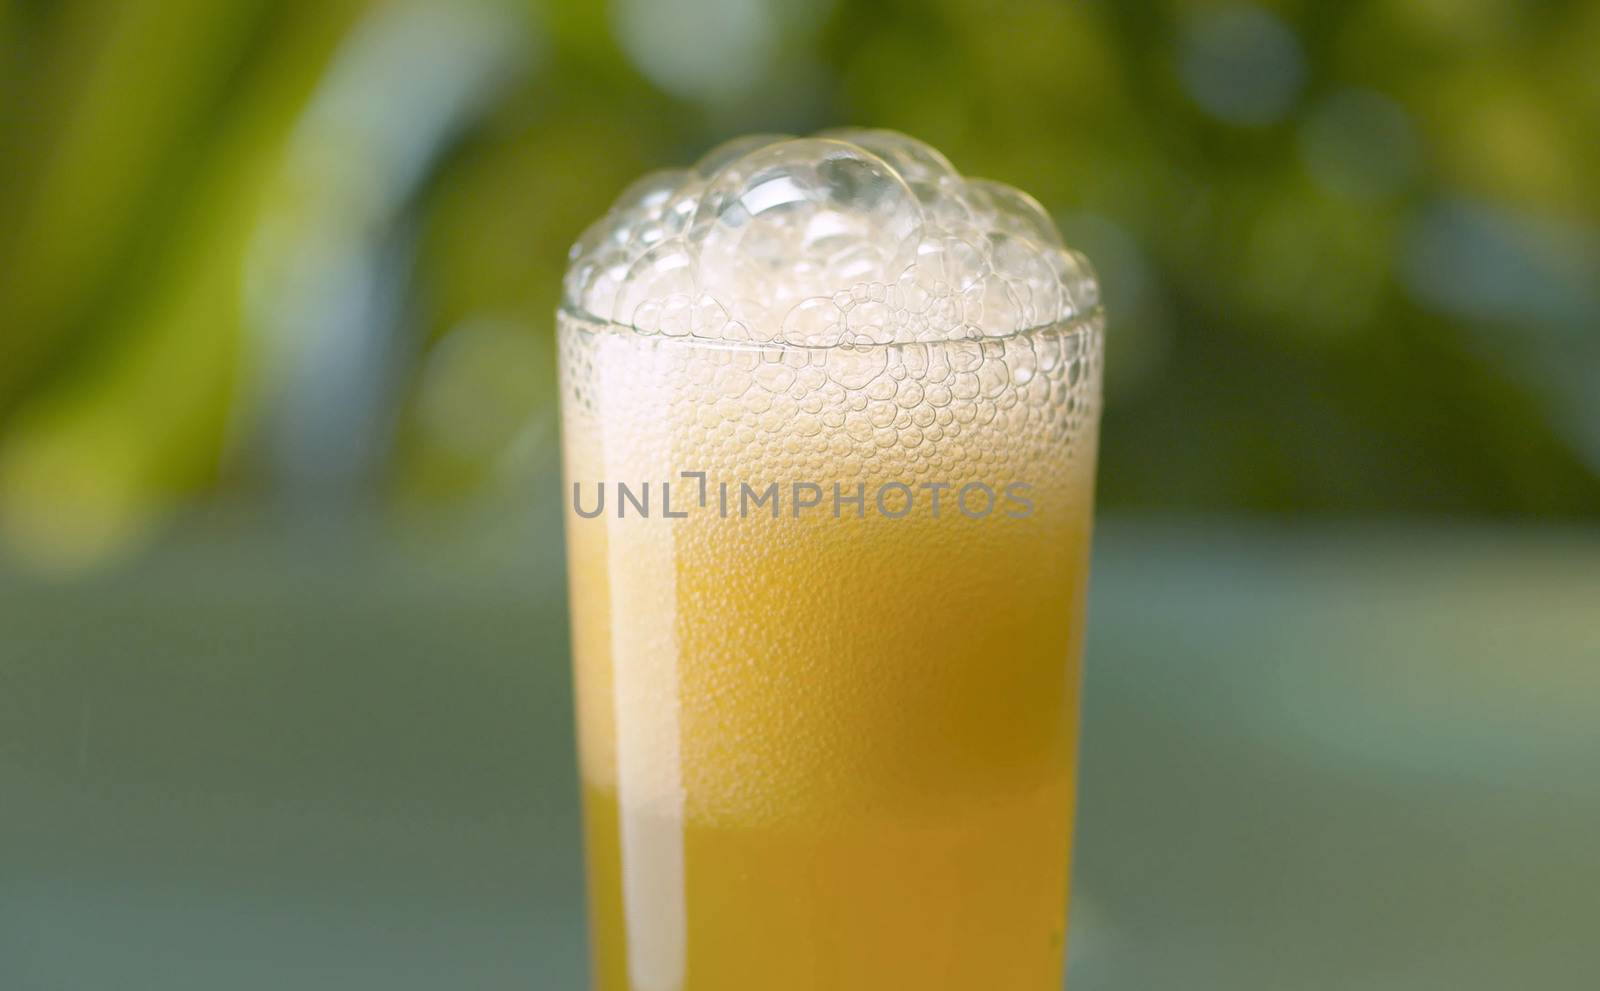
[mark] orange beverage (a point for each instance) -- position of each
(827, 599)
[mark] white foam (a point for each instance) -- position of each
(850, 238)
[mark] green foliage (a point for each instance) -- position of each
(1351, 251)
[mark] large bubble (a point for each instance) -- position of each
(800, 219)
(851, 238)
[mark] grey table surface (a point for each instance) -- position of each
(1353, 757)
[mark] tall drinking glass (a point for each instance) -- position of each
(830, 418)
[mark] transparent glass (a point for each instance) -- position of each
(827, 616)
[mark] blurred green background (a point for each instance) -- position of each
(282, 633)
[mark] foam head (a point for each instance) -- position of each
(850, 238)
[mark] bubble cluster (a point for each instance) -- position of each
(1016, 407)
(848, 239)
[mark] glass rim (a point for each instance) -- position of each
(1078, 325)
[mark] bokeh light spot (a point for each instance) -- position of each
(480, 385)
(708, 50)
(1242, 65)
(1360, 144)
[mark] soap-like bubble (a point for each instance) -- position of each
(814, 323)
(595, 277)
(936, 184)
(854, 238)
(798, 218)
(1033, 280)
(728, 152)
(1003, 208)
(1079, 286)
(661, 273)
(918, 164)
(648, 194)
